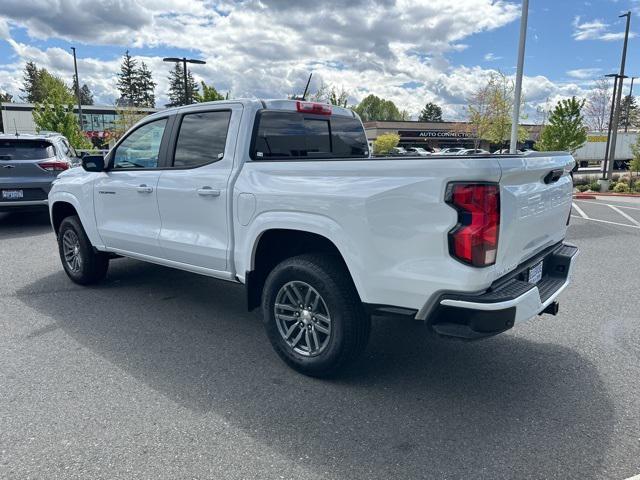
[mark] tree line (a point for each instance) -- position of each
(488, 109)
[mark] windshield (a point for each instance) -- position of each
(19, 149)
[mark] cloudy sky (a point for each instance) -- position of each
(410, 51)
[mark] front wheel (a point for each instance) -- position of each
(81, 262)
(313, 315)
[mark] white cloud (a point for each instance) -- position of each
(396, 49)
(584, 73)
(595, 30)
(492, 57)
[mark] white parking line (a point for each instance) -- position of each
(608, 204)
(580, 211)
(606, 221)
(635, 477)
(625, 215)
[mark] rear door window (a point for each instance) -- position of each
(201, 139)
(291, 135)
(18, 149)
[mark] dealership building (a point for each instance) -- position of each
(96, 120)
(438, 135)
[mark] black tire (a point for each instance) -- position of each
(349, 324)
(92, 266)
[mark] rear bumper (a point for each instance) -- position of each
(509, 300)
(19, 205)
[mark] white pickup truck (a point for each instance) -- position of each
(283, 197)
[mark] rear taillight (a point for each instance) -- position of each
(474, 240)
(54, 165)
(312, 107)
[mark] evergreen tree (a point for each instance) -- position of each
(86, 97)
(629, 112)
(6, 97)
(32, 88)
(176, 87)
(145, 87)
(127, 81)
(431, 113)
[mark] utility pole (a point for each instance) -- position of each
(616, 116)
(626, 123)
(605, 163)
(184, 60)
(75, 67)
(513, 145)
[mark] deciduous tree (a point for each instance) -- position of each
(209, 94)
(598, 106)
(566, 129)
(373, 108)
(54, 115)
(385, 142)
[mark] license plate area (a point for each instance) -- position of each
(534, 274)
(12, 194)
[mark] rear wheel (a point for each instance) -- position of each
(81, 262)
(313, 315)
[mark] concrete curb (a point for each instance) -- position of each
(583, 196)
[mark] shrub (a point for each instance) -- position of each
(582, 188)
(621, 188)
(594, 186)
(612, 185)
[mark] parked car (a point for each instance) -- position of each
(399, 151)
(506, 151)
(422, 152)
(280, 196)
(28, 165)
(449, 151)
(472, 151)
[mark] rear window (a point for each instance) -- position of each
(292, 135)
(16, 149)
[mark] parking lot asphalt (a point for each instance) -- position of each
(159, 373)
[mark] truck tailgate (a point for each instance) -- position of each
(535, 205)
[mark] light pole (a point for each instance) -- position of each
(75, 68)
(605, 164)
(184, 61)
(616, 115)
(513, 144)
(626, 123)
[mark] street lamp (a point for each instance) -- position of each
(513, 144)
(616, 77)
(184, 69)
(617, 98)
(78, 97)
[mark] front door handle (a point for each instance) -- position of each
(208, 192)
(144, 188)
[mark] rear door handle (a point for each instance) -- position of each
(208, 192)
(144, 188)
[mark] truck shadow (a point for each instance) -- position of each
(413, 407)
(24, 224)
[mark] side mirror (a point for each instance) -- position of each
(93, 163)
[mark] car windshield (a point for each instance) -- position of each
(21, 149)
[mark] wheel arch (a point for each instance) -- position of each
(59, 211)
(274, 244)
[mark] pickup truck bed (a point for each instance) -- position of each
(283, 197)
